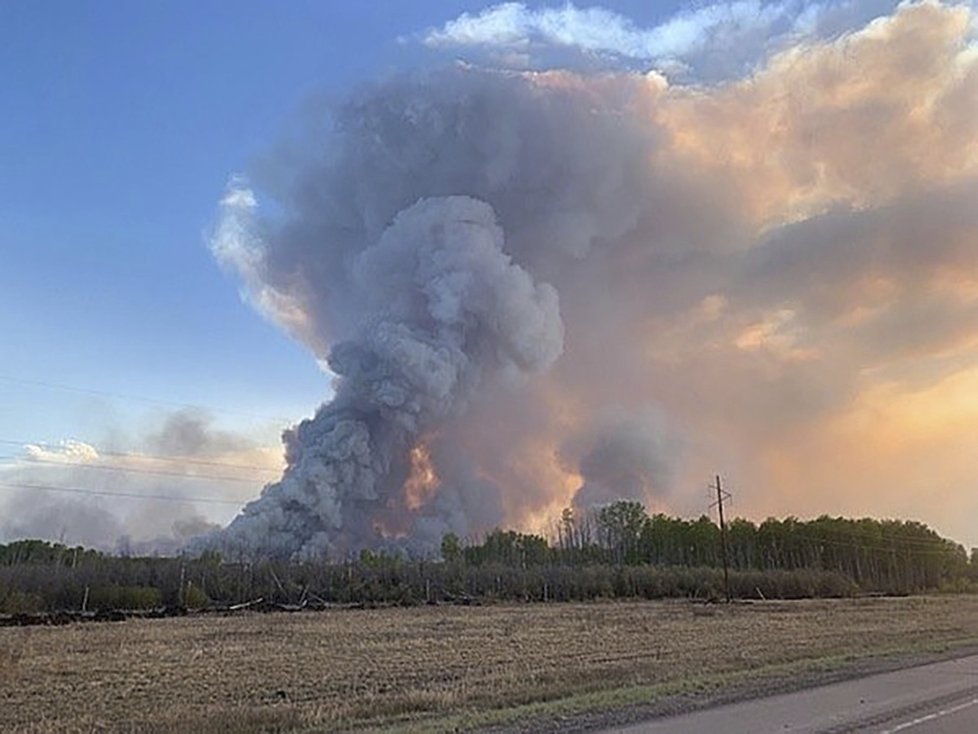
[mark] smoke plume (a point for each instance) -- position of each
(439, 310)
(765, 261)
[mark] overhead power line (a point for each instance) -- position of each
(898, 546)
(127, 469)
(848, 536)
(152, 457)
(142, 398)
(130, 495)
(863, 538)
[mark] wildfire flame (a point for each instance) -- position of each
(422, 480)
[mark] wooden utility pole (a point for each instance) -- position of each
(723, 540)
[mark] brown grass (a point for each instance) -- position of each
(341, 669)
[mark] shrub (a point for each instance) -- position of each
(194, 597)
(124, 597)
(21, 602)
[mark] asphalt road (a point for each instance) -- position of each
(940, 698)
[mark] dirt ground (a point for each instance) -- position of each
(554, 665)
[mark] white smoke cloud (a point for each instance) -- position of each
(67, 451)
(707, 42)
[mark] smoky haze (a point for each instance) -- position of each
(148, 491)
(493, 262)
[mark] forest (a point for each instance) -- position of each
(615, 551)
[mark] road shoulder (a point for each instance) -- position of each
(621, 707)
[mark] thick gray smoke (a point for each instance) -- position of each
(418, 304)
(439, 310)
(626, 456)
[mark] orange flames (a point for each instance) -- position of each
(422, 480)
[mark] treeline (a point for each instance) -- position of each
(878, 555)
(617, 551)
(64, 580)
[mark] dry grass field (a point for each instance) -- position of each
(437, 667)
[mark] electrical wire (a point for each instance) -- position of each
(142, 398)
(141, 456)
(128, 469)
(128, 495)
